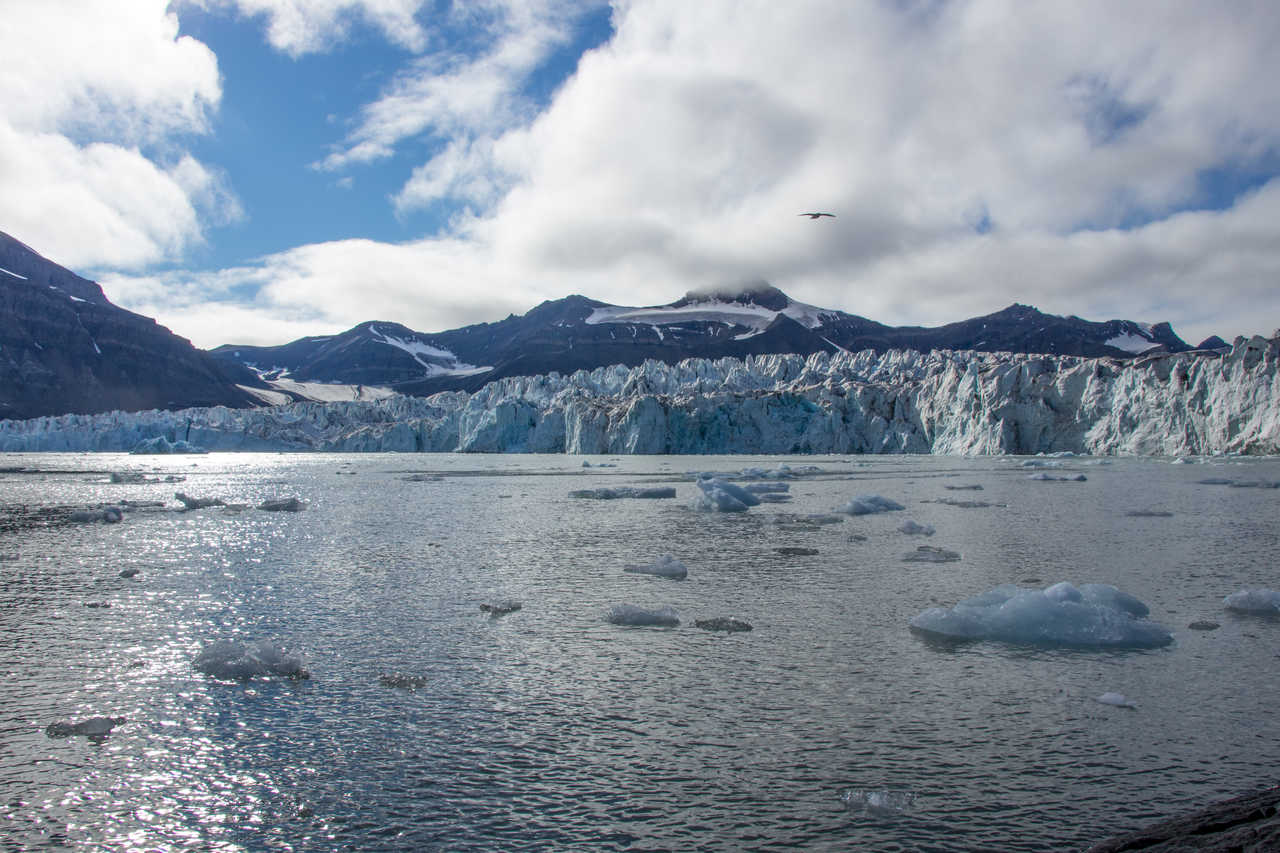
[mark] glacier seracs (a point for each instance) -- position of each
(899, 401)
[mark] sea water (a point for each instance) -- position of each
(429, 724)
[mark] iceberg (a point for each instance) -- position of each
(228, 660)
(869, 505)
(914, 528)
(930, 554)
(722, 496)
(107, 515)
(1118, 700)
(665, 566)
(1254, 600)
(161, 445)
(1092, 615)
(633, 616)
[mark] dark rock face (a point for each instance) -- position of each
(1247, 823)
(65, 348)
(576, 333)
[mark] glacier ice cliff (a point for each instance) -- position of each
(865, 402)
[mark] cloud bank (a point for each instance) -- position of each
(1108, 160)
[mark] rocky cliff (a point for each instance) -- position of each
(65, 348)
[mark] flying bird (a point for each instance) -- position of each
(816, 215)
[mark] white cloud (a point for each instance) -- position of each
(298, 27)
(94, 95)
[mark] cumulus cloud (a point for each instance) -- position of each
(95, 94)
(298, 27)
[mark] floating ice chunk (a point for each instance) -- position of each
(107, 515)
(128, 573)
(1042, 476)
(930, 554)
(1042, 463)
(665, 566)
(281, 505)
(500, 608)
(1257, 484)
(422, 478)
(232, 661)
(608, 494)
(721, 496)
(965, 504)
(878, 802)
(869, 505)
(1254, 600)
(190, 503)
(1117, 699)
(1061, 615)
(131, 477)
(764, 488)
(162, 445)
(970, 488)
(630, 614)
(723, 623)
(94, 727)
(1204, 625)
(914, 528)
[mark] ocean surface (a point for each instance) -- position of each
(830, 726)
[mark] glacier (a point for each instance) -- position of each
(899, 401)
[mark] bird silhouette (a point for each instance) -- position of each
(816, 215)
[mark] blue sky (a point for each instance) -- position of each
(250, 171)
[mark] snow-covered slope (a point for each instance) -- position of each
(898, 401)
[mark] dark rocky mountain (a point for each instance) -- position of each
(65, 348)
(575, 333)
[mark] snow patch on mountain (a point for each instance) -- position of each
(755, 317)
(419, 349)
(1129, 342)
(14, 274)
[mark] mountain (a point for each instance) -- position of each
(576, 333)
(65, 348)
(900, 401)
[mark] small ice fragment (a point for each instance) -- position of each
(94, 727)
(128, 573)
(500, 608)
(107, 515)
(281, 505)
(131, 477)
(1204, 625)
(400, 680)
(722, 623)
(967, 488)
(914, 528)
(665, 566)
(930, 554)
(1041, 463)
(883, 802)
(869, 505)
(630, 614)
(1255, 600)
(1044, 477)
(1116, 699)
(422, 478)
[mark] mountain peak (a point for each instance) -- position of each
(759, 293)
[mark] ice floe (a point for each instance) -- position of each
(1060, 615)
(869, 505)
(915, 528)
(665, 566)
(106, 514)
(281, 505)
(930, 554)
(609, 493)
(500, 607)
(190, 503)
(632, 615)
(723, 623)
(1119, 700)
(1253, 600)
(93, 727)
(721, 496)
(233, 661)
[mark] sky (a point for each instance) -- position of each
(252, 171)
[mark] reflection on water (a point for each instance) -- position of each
(548, 728)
